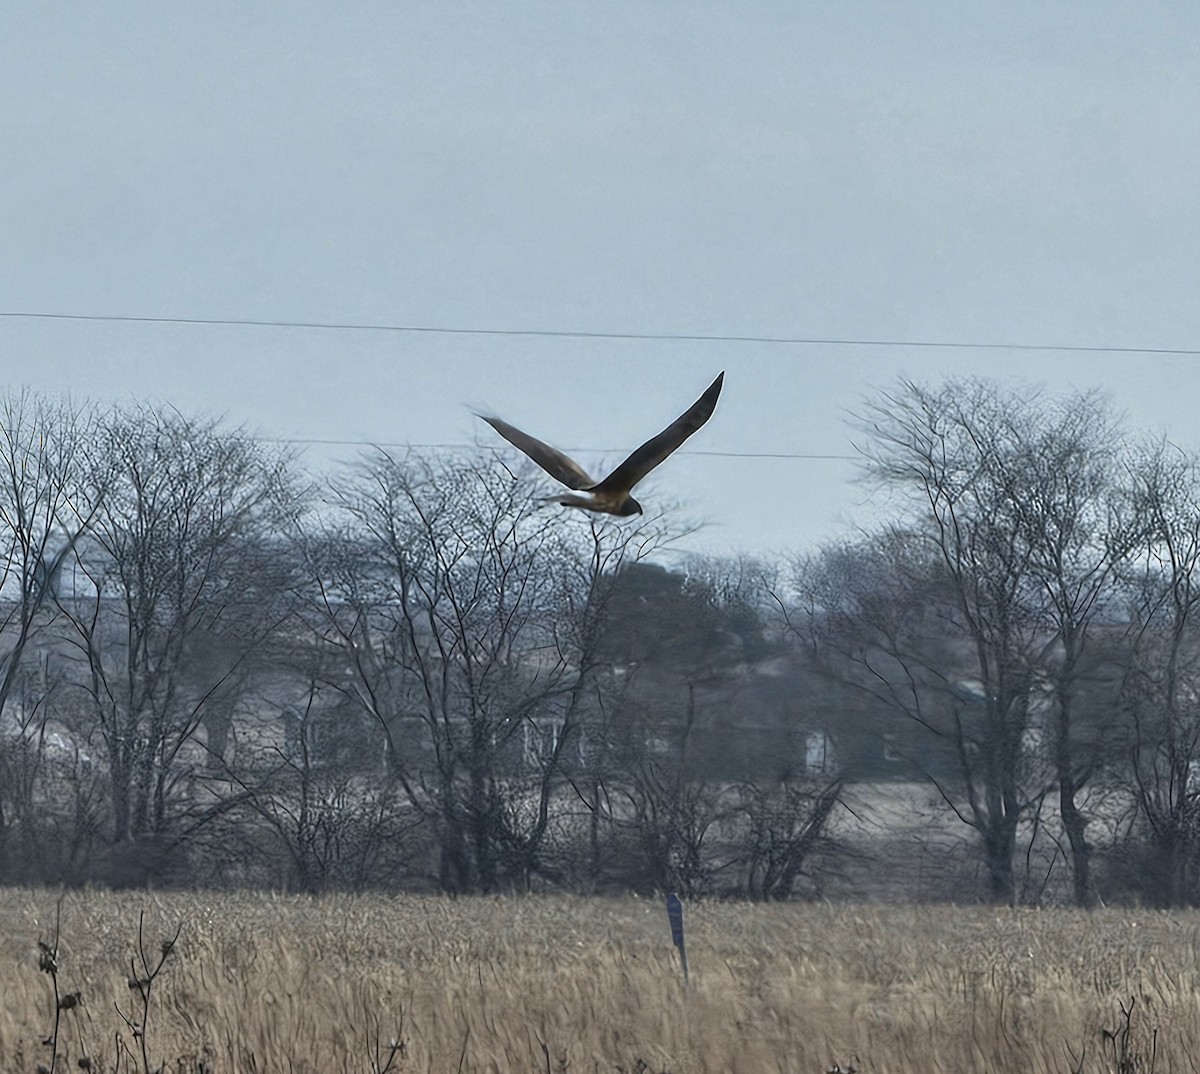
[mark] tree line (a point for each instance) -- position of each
(1030, 612)
(218, 668)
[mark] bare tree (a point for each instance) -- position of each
(48, 499)
(669, 810)
(1065, 478)
(1162, 675)
(979, 613)
(314, 806)
(466, 613)
(786, 824)
(884, 615)
(175, 589)
(942, 615)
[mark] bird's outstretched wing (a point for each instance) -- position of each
(559, 466)
(653, 451)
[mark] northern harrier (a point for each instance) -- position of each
(612, 495)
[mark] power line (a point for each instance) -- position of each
(693, 337)
(323, 441)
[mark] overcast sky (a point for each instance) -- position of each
(932, 172)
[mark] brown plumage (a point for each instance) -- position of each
(612, 495)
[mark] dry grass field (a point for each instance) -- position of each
(258, 983)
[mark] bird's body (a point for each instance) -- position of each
(612, 496)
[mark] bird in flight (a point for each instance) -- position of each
(612, 495)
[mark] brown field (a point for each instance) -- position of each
(260, 983)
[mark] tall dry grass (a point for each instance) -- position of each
(261, 983)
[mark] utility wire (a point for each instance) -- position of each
(600, 451)
(331, 442)
(694, 337)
